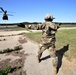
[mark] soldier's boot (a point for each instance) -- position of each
(55, 63)
(55, 70)
(38, 57)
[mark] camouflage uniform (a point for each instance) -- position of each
(48, 41)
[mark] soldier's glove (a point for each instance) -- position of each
(58, 26)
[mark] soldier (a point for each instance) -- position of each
(48, 40)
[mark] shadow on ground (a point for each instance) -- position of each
(45, 58)
(60, 54)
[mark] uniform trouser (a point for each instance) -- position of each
(52, 52)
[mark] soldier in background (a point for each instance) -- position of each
(48, 40)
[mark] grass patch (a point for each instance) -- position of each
(63, 38)
(9, 28)
(5, 70)
(18, 28)
(16, 48)
(8, 69)
(34, 36)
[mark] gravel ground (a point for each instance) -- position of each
(27, 57)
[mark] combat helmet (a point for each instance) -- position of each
(49, 17)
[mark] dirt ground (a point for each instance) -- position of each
(25, 58)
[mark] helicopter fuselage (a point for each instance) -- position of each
(5, 17)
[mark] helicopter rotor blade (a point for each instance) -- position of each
(2, 9)
(9, 14)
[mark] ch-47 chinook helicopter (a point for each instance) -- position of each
(5, 15)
